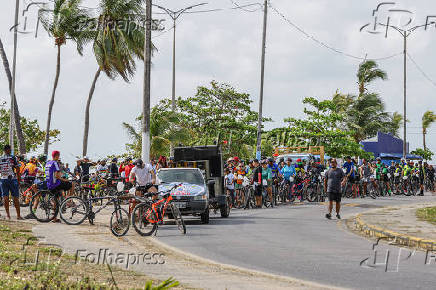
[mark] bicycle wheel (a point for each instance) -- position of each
(178, 219)
(44, 206)
(311, 193)
(141, 216)
(120, 222)
(74, 210)
(25, 195)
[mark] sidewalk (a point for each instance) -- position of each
(398, 225)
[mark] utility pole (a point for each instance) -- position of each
(405, 33)
(405, 97)
(262, 75)
(14, 65)
(147, 84)
(174, 16)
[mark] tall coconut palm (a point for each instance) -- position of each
(367, 73)
(17, 119)
(62, 23)
(116, 45)
(428, 118)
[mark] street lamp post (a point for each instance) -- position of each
(12, 91)
(405, 33)
(174, 16)
(262, 77)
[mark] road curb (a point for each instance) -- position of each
(373, 231)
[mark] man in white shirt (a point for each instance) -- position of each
(143, 174)
(145, 179)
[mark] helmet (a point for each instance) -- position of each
(270, 159)
(299, 160)
(114, 159)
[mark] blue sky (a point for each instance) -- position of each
(226, 46)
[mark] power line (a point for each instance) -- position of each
(323, 44)
(244, 7)
(421, 70)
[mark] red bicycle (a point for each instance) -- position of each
(147, 215)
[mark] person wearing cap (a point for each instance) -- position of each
(55, 181)
(84, 165)
(335, 178)
(9, 180)
(145, 178)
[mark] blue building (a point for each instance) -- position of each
(387, 147)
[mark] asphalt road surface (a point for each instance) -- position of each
(299, 242)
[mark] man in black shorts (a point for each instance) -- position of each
(257, 181)
(334, 179)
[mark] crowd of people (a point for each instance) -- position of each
(263, 175)
(266, 174)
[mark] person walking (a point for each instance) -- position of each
(9, 179)
(334, 179)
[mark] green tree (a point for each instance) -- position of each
(119, 40)
(424, 153)
(428, 118)
(33, 135)
(321, 127)
(368, 72)
(62, 23)
(220, 113)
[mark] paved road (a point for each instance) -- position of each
(297, 241)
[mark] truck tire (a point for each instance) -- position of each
(225, 209)
(205, 217)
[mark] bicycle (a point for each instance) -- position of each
(45, 205)
(147, 215)
(74, 211)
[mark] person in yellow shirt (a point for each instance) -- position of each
(30, 170)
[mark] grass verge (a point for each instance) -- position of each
(26, 264)
(427, 214)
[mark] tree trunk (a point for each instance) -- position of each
(424, 131)
(17, 120)
(88, 105)
(50, 106)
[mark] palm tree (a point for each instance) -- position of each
(18, 129)
(428, 118)
(367, 73)
(63, 23)
(116, 45)
(166, 127)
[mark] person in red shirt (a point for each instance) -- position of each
(126, 167)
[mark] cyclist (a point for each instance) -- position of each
(125, 169)
(55, 182)
(257, 182)
(113, 168)
(9, 179)
(84, 165)
(288, 171)
(267, 178)
(431, 175)
(365, 175)
(275, 172)
(240, 174)
(422, 176)
(349, 169)
(30, 171)
(145, 178)
(229, 181)
(384, 177)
